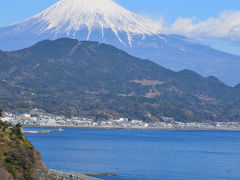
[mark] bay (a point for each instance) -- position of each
(143, 154)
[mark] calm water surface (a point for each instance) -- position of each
(142, 154)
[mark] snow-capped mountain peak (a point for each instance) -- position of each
(74, 18)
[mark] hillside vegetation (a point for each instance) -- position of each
(18, 158)
(96, 80)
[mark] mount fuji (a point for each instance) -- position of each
(93, 20)
(107, 22)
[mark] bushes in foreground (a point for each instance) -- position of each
(1, 112)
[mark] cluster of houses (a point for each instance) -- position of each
(36, 118)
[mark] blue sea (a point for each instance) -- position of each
(143, 154)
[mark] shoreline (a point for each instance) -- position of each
(135, 128)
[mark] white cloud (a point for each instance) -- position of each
(226, 26)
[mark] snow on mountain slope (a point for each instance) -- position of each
(75, 14)
(69, 17)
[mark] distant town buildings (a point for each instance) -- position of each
(36, 118)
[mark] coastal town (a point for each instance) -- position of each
(36, 118)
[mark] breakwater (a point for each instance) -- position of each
(43, 131)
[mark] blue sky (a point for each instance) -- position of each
(170, 10)
(181, 13)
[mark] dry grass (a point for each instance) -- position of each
(148, 82)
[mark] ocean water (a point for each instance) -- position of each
(143, 154)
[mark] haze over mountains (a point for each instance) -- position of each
(105, 21)
(100, 81)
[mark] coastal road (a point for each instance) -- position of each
(72, 176)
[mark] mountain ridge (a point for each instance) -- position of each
(99, 81)
(130, 32)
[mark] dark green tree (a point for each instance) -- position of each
(17, 130)
(1, 112)
(4, 125)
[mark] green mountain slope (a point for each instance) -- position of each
(99, 81)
